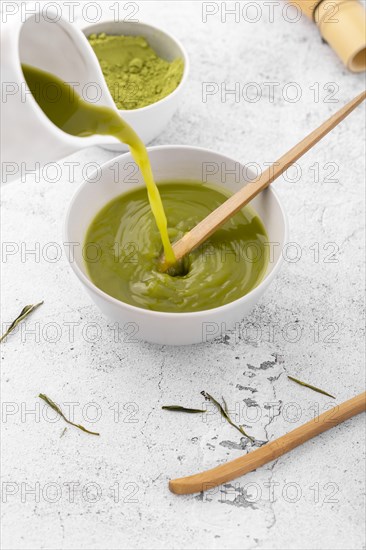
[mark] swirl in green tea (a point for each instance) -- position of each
(122, 248)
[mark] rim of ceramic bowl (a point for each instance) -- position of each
(88, 30)
(267, 279)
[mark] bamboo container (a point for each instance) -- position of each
(342, 24)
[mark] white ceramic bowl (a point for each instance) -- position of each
(148, 122)
(170, 163)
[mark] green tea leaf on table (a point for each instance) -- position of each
(178, 408)
(27, 310)
(56, 408)
(224, 412)
(310, 386)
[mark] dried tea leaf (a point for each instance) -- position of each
(55, 407)
(27, 310)
(310, 386)
(224, 412)
(178, 408)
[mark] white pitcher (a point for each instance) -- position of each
(28, 136)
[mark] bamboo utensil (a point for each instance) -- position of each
(342, 25)
(240, 466)
(231, 206)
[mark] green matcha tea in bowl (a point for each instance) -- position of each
(145, 69)
(118, 262)
(125, 224)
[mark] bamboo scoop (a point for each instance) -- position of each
(231, 206)
(240, 466)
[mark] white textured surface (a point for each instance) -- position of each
(142, 447)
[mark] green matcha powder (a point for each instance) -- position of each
(136, 76)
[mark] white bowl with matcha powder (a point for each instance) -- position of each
(145, 72)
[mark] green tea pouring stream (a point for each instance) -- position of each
(69, 112)
(223, 273)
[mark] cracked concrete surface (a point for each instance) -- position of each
(70, 490)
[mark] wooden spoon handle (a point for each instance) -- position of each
(218, 217)
(240, 466)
